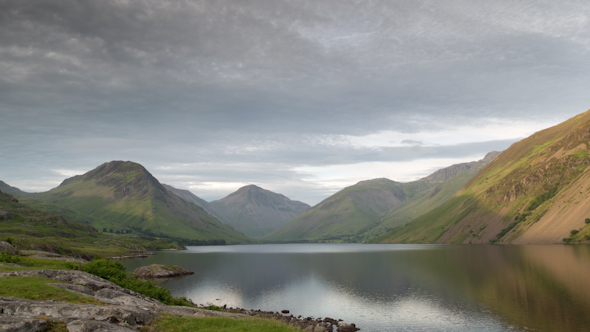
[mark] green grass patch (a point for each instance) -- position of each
(189, 324)
(36, 288)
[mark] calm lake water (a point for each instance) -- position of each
(395, 287)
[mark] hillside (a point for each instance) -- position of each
(448, 182)
(124, 196)
(30, 228)
(255, 211)
(371, 208)
(4, 187)
(192, 198)
(353, 210)
(537, 191)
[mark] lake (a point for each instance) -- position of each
(395, 287)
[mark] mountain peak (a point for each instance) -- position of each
(377, 181)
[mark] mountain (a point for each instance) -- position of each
(448, 182)
(29, 228)
(125, 196)
(537, 191)
(192, 198)
(353, 210)
(371, 208)
(255, 211)
(11, 190)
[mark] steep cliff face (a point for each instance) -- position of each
(255, 211)
(534, 192)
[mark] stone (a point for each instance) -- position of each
(347, 328)
(20, 324)
(94, 326)
(81, 278)
(8, 248)
(82, 290)
(130, 316)
(112, 296)
(160, 271)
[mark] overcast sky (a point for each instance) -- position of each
(299, 97)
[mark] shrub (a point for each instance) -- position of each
(10, 240)
(8, 258)
(114, 271)
(574, 232)
(587, 220)
(567, 239)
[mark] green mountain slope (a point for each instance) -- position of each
(192, 198)
(12, 190)
(30, 228)
(124, 195)
(371, 208)
(255, 211)
(351, 211)
(448, 182)
(534, 192)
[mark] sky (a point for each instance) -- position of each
(299, 97)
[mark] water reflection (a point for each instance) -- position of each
(396, 287)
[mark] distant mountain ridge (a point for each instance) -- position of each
(535, 192)
(11, 190)
(255, 211)
(367, 209)
(124, 195)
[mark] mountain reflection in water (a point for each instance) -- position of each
(395, 287)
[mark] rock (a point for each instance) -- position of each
(51, 255)
(82, 290)
(88, 280)
(8, 248)
(4, 215)
(116, 297)
(94, 326)
(347, 327)
(129, 316)
(19, 324)
(160, 271)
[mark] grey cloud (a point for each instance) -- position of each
(83, 82)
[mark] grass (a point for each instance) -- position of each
(189, 324)
(36, 288)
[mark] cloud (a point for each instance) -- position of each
(263, 87)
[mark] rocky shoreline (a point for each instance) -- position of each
(124, 310)
(305, 323)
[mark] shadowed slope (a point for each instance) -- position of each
(256, 211)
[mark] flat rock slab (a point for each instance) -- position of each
(86, 280)
(95, 326)
(20, 324)
(160, 271)
(52, 256)
(129, 316)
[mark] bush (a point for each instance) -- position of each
(8, 258)
(10, 240)
(574, 232)
(587, 220)
(567, 239)
(114, 271)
